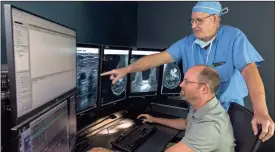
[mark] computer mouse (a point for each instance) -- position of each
(112, 116)
(142, 118)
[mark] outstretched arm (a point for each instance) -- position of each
(179, 123)
(179, 147)
(142, 64)
(150, 61)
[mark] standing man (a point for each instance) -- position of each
(224, 48)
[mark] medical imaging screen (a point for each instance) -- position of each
(171, 78)
(146, 81)
(113, 59)
(87, 78)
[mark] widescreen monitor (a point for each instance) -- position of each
(41, 57)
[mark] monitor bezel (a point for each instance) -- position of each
(11, 66)
(101, 104)
(143, 94)
(69, 102)
(90, 45)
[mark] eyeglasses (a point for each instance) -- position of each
(199, 21)
(186, 82)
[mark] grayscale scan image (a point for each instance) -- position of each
(113, 92)
(87, 76)
(120, 85)
(145, 81)
(171, 76)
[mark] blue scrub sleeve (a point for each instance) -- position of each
(175, 50)
(244, 52)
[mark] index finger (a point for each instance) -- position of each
(107, 73)
(254, 127)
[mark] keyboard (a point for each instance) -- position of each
(132, 139)
(81, 147)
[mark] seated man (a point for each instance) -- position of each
(207, 127)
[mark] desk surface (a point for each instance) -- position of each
(156, 143)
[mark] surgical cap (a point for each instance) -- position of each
(209, 7)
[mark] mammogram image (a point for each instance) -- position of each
(87, 77)
(171, 76)
(113, 92)
(145, 81)
(120, 85)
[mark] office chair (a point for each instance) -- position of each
(245, 139)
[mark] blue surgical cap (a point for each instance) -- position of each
(209, 7)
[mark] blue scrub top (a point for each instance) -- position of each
(229, 54)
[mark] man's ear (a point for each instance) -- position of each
(205, 89)
(216, 18)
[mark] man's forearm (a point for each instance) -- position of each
(150, 61)
(255, 88)
(179, 124)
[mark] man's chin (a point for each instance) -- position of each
(198, 36)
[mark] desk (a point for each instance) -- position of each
(156, 143)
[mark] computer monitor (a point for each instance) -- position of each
(113, 58)
(47, 132)
(41, 57)
(88, 59)
(172, 76)
(143, 83)
(72, 122)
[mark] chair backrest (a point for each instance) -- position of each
(245, 139)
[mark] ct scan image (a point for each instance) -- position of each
(146, 81)
(113, 92)
(87, 77)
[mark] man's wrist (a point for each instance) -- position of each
(128, 69)
(260, 108)
(155, 120)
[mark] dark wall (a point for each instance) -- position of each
(113, 22)
(109, 23)
(162, 23)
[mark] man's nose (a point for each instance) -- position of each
(182, 84)
(194, 25)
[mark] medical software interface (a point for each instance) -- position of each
(44, 60)
(47, 133)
